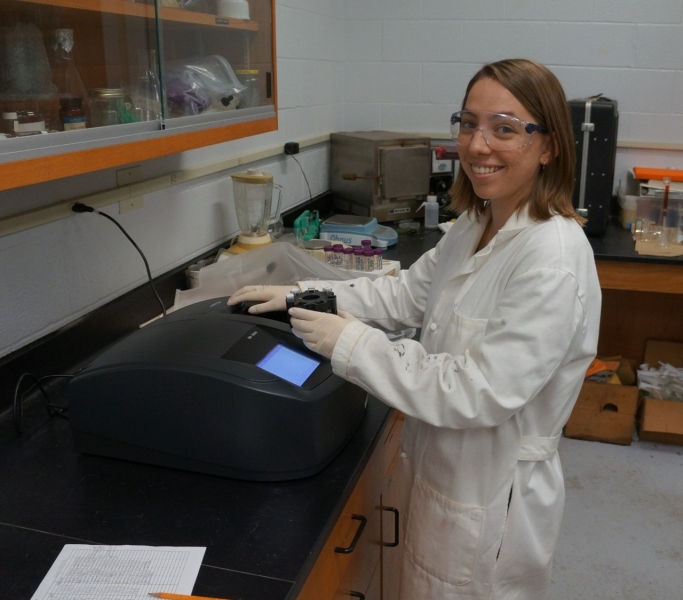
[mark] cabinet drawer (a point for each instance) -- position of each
(363, 565)
(330, 568)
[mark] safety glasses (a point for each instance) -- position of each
(500, 131)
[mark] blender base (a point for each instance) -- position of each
(245, 243)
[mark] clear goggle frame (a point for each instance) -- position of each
(500, 131)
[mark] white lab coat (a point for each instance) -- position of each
(507, 336)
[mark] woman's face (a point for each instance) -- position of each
(505, 177)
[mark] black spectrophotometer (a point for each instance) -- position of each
(209, 388)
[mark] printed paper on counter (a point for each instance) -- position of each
(83, 572)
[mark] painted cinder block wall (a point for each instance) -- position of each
(399, 65)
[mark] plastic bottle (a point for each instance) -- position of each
(431, 212)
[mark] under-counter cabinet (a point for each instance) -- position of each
(92, 84)
(361, 556)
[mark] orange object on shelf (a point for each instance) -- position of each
(657, 174)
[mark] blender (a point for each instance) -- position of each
(253, 191)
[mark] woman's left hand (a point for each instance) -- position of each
(319, 331)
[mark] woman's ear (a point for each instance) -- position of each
(554, 146)
(550, 151)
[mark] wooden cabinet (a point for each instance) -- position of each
(640, 301)
(355, 562)
(118, 48)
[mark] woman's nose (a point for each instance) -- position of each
(478, 142)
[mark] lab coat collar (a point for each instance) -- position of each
(517, 222)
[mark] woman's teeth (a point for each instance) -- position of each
(485, 170)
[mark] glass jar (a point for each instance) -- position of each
(71, 113)
(251, 96)
(106, 106)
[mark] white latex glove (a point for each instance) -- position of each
(271, 296)
(319, 331)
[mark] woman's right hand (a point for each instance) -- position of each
(271, 297)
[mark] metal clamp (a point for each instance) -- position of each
(354, 541)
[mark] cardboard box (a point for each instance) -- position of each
(662, 420)
(604, 413)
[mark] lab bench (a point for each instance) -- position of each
(263, 540)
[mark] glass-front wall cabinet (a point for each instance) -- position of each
(92, 84)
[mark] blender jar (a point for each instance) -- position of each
(253, 191)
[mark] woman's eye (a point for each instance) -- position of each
(468, 125)
(505, 130)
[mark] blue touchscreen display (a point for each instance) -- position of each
(288, 364)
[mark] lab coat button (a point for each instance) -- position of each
(432, 326)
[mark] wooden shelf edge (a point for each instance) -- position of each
(132, 9)
(48, 168)
(640, 277)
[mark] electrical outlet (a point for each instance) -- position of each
(131, 204)
(128, 176)
(174, 178)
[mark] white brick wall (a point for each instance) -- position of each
(343, 65)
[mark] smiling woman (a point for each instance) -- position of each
(509, 306)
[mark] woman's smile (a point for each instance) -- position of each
(484, 169)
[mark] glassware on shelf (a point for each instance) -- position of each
(24, 65)
(145, 90)
(71, 113)
(29, 123)
(105, 106)
(250, 96)
(70, 88)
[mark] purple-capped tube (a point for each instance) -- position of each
(338, 254)
(348, 258)
(358, 259)
(378, 258)
(369, 259)
(329, 255)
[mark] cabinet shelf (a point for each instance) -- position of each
(121, 7)
(109, 35)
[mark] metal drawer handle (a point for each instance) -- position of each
(395, 542)
(357, 595)
(356, 537)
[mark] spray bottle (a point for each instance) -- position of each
(431, 212)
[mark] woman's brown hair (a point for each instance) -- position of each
(540, 92)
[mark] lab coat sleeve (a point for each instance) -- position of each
(537, 322)
(389, 302)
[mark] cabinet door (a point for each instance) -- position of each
(91, 84)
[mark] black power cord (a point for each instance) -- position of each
(292, 148)
(79, 207)
(53, 410)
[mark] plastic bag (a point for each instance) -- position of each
(201, 85)
(275, 264)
